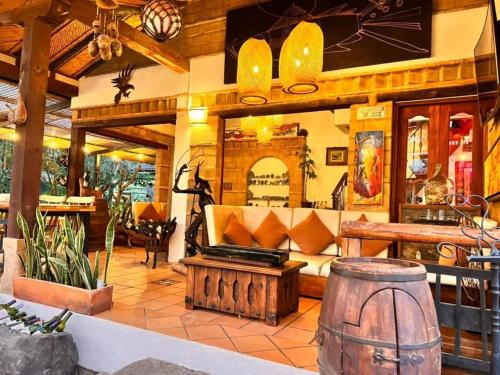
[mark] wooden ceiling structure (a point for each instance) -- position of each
(203, 32)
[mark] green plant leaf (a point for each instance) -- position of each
(96, 267)
(110, 239)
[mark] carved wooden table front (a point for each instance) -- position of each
(267, 293)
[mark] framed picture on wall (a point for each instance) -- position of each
(368, 167)
(336, 155)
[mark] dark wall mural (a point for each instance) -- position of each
(357, 32)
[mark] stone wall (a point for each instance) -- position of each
(241, 155)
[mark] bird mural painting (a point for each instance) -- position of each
(122, 83)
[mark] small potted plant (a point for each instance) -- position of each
(308, 167)
(58, 273)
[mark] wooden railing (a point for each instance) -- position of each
(338, 194)
(354, 232)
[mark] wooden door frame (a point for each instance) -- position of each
(397, 156)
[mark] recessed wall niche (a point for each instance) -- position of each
(268, 183)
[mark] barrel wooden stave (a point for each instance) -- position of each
(359, 317)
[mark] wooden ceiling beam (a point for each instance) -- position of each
(84, 11)
(126, 120)
(140, 136)
(10, 73)
(15, 12)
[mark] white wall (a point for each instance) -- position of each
(322, 134)
(151, 82)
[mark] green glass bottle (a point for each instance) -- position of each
(62, 325)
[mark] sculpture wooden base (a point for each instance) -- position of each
(266, 293)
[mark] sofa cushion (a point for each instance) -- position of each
(253, 217)
(149, 213)
(311, 235)
(369, 248)
(217, 217)
(271, 232)
(236, 233)
(314, 262)
(330, 218)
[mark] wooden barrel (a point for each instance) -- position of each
(378, 317)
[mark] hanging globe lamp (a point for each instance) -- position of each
(301, 59)
(254, 76)
(161, 20)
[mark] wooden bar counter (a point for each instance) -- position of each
(266, 293)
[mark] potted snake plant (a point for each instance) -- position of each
(58, 273)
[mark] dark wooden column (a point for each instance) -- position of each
(76, 160)
(27, 158)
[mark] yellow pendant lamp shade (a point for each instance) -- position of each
(264, 130)
(249, 125)
(277, 121)
(301, 59)
(255, 63)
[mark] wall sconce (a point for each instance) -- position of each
(198, 116)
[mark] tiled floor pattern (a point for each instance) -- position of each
(139, 302)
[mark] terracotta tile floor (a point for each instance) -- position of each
(141, 303)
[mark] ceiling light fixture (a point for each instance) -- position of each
(161, 19)
(254, 76)
(301, 59)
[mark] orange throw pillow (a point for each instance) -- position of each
(311, 235)
(271, 232)
(236, 233)
(369, 248)
(150, 213)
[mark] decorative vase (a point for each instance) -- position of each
(436, 187)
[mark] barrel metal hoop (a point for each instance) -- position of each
(378, 277)
(382, 344)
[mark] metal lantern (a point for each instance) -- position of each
(301, 59)
(254, 77)
(249, 125)
(161, 20)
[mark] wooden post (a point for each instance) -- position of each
(76, 160)
(162, 177)
(27, 158)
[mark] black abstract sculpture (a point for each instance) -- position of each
(485, 251)
(122, 83)
(203, 192)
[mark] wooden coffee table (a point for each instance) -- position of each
(266, 293)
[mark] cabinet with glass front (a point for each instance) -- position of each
(439, 141)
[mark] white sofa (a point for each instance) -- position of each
(317, 265)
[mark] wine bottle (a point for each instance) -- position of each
(11, 309)
(62, 325)
(55, 318)
(8, 304)
(16, 317)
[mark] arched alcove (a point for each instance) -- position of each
(268, 182)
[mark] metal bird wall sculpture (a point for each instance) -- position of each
(122, 83)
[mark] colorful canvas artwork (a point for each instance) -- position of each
(369, 167)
